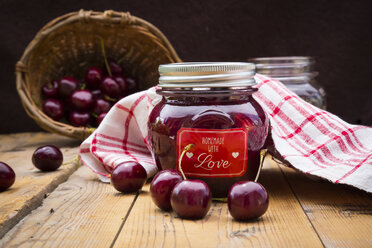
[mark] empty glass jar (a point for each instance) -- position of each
(297, 73)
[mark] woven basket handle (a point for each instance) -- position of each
(86, 15)
(125, 17)
(57, 20)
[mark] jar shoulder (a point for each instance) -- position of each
(188, 115)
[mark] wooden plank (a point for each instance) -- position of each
(22, 141)
(31, 185)
(284, 224)
(341, 215)
(82, 212)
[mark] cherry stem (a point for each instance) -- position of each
(187, 148)
(263, 153)
(74, 160)
(223, 199)
(105, 57)
(106, 97)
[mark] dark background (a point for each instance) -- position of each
(337, 33)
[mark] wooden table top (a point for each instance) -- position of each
(71, 208)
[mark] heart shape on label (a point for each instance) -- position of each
(235, 154)
(189, 154)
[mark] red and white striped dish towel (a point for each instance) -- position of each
(314, 141)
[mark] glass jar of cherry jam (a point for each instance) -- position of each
(210, 106)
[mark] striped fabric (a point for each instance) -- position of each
(314, 141)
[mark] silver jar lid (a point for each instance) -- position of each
(207, 75)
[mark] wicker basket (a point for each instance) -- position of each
(70, 44)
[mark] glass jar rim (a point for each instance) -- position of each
(202, 92)
(283, 60)
(283, 67)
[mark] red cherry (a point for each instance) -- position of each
(100, 118)
(122, 84)
(161, 187)
(50, 90)
(54, 109)
(81, 99)
(247, 200)
(115, 68)
(100, 106)
(47, 158)
(93, 77)
(97, 94)
(128, 177)
(191, 199)
(66, 86)
(79, 119)
(7, 176)
(110, 87)
(132, 84)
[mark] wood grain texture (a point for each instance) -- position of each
(82, 212)
(23, 141)
(31, 185)
(284, 224)
(342, 215)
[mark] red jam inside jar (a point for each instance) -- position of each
(210, 106)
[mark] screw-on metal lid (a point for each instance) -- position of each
(207, 74)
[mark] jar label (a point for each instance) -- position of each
(216, 152)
